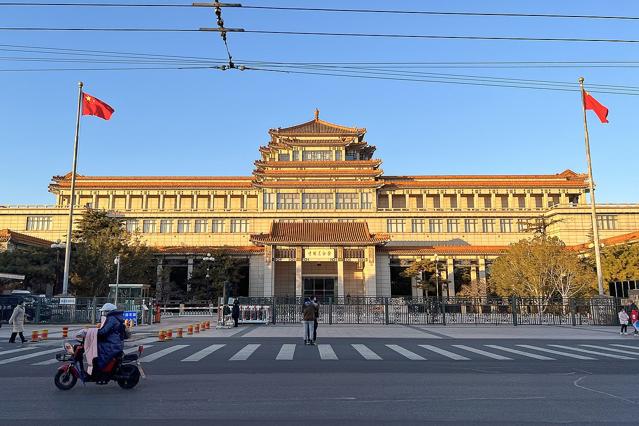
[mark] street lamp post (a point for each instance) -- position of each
(117, 278)
(57, 246)
(437, 276)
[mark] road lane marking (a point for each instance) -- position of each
(163, 352)
(484, 353)
(28, 356)
(245, 352)
(636, 348)
(522, 353)
(446, 353)
(11, 351)
(286, 352)
(327, 353)
(592, 352)
(202, 353)
(621, 351)
(405, 352)
(551, 351)
(364, 351)
(53, 361)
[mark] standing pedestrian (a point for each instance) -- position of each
(308, 316)
(623, 320)
(634, 319)
(235, 313)
(17, 321)
(316, 306)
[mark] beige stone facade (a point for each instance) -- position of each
(316, 173)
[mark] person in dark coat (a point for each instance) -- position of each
(235, 313)
(316, 305)
(111, 335)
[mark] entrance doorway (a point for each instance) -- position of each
(321, 287)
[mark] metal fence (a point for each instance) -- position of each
(447, 311)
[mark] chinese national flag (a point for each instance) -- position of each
(94, 106)
(592, 104)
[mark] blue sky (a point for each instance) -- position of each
(208, 122)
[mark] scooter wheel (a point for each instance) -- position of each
(133, 377)
(65, 380)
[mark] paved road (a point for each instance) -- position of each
(409, 381)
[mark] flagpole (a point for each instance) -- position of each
(67, 251)
(591, 183)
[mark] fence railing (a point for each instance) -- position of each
(447, 311)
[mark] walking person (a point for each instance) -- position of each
(235, 312)
(634, 319)
(17, 321)
(623, 320)
(308, 317)
(316, 306)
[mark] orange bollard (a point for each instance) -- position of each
(34, 336)
(45, 334)
(208, 325)
(197, 328)
(169, 334)
(180, 333)
(65, 332)
(189, 330)
(161, 336)
(202, 326)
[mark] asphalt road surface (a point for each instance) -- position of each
(340, 381)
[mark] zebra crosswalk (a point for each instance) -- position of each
(239, 351)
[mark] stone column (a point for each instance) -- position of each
(475, 200)
(450, 276)
(382, 270)
(510, 201)
(111, 202)
(145, 202)
(127, 202)
(299, 290)
(269, 269)
(482, 271)
(228, 202)
(211, 201)
(493, 201)
(94, 202)
(407, 201)
(340, 272)
(528, 201)
(390, 200)
(458, 200)
(161, 202)
(244, 201)
(473, 276)
(178, 202)
(370, 279)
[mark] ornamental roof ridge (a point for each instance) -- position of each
(346, 233)
(317, 126)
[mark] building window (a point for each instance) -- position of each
(553, 200)
(452, 201)
(607, 221)
(320, 201)
(39, 223)
(488, 225)
(504, 201)
(452, 225)
(148, 226)
(470, 225)
(347, 200)
(347, 220)
(239, 226)
(296, 156)
(573, 199)
(268, 201)
(338, 155)
(539, 201)
(505, 225)
(288, 201)
(131, 225)
(351, 155)
(435, 225)
(367, 202)
(488, 202)
(521, 201)
(283, 157)
(217, 225)
(418, 225)
(523, 225)
(201, 225)
(436, 202)
(395, 225)
(166, 226)
(325, 155)
(470, 201)
(183, 226)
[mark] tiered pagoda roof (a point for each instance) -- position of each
(326, 233)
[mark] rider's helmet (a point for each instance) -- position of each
(108, 307)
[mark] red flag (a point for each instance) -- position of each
(94, 106)
(593, 104)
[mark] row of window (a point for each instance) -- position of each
(183, 226)
(318, 201)
(469, 201)
(39, 223)
(320, 155)
(457, 225)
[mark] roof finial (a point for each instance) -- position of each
(316, 114)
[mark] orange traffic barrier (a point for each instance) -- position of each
(202, 326)
(161, 336)
(180, 333)
(169, 334)
(34, 336)
(45, 334)
(189, 330)
(197, 328)
(208, 325)
(65, 332)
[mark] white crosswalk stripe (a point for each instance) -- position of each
(586, 351)
(484, 353)
(552, 351)
(245, 352)
(202, 353)
(621, 351)
(286, 353)
(446, 353)
(12, 351)
(364, 351)
(143, 341)
(29, 356)
(327, 353)
(53, 360)
(405, 352)
(636, 348)
(522, 353)
(164, 352)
